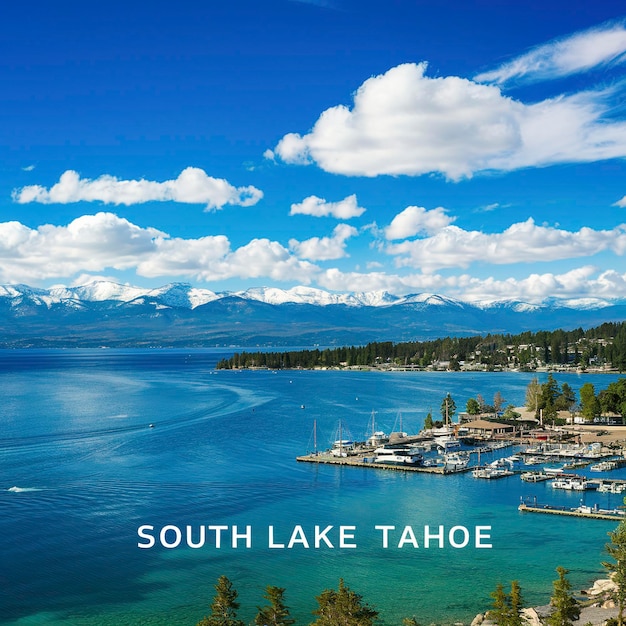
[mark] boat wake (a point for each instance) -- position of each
(22, 489)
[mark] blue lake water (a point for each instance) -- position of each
(75, 439)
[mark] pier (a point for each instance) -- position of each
(362, 461)
(581, 511)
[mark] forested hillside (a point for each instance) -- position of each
(602, 346)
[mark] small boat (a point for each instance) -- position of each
(490, 472)
(342, 447)
(533, 460)
(572, 484)
(553, 471)
(455, 461)
(604, 466)
(575, 465)
(610, 487)
(534, 477)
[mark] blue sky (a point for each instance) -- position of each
(472, 149)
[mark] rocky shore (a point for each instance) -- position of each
(597, 607)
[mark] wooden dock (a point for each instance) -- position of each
(360, 461)
(587, 512)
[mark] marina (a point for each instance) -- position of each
(370, 463)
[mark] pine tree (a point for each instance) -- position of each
(500, 612)
(224, 606)
(516, 604)
(507, 607)
(472, 407)
(343, 608)
(277, 613)
(448, 408)
(589, 402)
(617, 551)
(566, 608)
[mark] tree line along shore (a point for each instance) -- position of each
(345, 607)
(599, 348)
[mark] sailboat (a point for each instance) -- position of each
(342, 447)
(377, 437)
(445, 438)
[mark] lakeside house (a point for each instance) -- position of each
(488, 430)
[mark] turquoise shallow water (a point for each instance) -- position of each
(75, 438)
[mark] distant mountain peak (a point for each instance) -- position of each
(184, 295)
(108, 313)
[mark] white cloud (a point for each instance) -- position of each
(524, 242)
(193, 186)
(104, 241)
(403, 122)
(576, 53)
(621, 203)
(579, 283)
(261, 258)
(318, 207)
(28, 168)
(325, 248)
(583, 282)
(416, 219)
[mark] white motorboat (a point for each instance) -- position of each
(604, 466)
(572, 484)
(611, 487)
(534, 477)
(398, 456)
(447, 442)
(455, 461)
(491, 472)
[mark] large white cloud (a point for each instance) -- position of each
(415, 219)
(318, 207)
(576, 53)
(104, 241)
(261, 258)
(524, 242)
(584, 283)
(325, 248)
(193, 186)
(403, 122)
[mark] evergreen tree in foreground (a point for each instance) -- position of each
(566, 608)
(224, 606)
(507, 607)
(343, 608)
(617, 551)
(276, 614)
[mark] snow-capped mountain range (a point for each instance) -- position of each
(185, 296)
(107, 313)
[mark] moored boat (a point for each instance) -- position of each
(534, 477)
(398, 456)
(490, 472)
(455, 461)
(604, 466)
(611, 487)
(577, 483)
